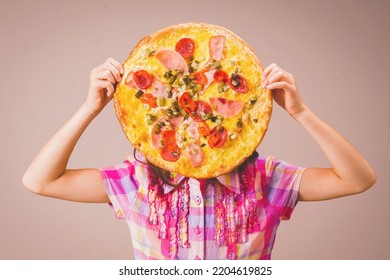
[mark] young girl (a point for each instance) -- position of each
(234, 216)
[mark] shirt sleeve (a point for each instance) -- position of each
(282, 185)
(121, 187)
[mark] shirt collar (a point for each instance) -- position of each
(230, 180)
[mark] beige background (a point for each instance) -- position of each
(337, 50)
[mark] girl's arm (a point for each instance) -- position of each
(48, 174)
(350, 172)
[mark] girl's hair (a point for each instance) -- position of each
(166, 175)
(157, 172)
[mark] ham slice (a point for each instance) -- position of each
(216, 46)
(210, 78)
(176, 122)
(159, 89)
(195, 154)
(130, 80)
(226, 107)
(192, 129)
(172, 60)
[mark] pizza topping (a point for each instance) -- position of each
(172, 60)
(192, 129)
(218, 119)
(202, 112)
(221, 76)
(161, 125)
(170, 152)
(168, 136)
(187, 103)
(204, 129)
(182, 88)
(216, 46)
(143, 79)
(159, 88)
(239, 124)
(238, 83)
(161, 101)
(223, 88)
(175, 122)
(149, 99)
(216, 64)
(201, 79)
(226, 107)
(209, 75)
(193, 65)
(150, 119)
(195, 154)
(139, 94)
(217, 137)
(185, 47)
(130, 80)
(232, 136)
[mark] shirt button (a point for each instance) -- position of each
(197, 257)
(198, 200)
(198, 229)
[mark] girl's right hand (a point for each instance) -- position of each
(102, 83)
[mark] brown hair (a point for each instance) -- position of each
(158, 172)
(166, 175)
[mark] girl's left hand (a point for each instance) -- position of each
(284, 90)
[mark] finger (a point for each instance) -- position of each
(114, 71)
(103, 85)
(116, 64)
(268, 70)
(280, 85)
(105, 74)
(279, 75)
(110, 90)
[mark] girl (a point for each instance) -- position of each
(234, 216)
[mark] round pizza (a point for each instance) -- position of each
(191, 100)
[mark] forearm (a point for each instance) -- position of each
(52, 160)
(348, 164)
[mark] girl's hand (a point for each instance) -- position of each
(284, 90)
(102, 83)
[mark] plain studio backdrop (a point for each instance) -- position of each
(338, 52)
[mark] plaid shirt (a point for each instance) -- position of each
(234, 216)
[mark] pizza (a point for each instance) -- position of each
(191, 100)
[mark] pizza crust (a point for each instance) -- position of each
(132, 114)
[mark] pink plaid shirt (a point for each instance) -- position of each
(234, 216)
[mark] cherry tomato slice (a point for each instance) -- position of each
(170, 152)
(149, 99)
(187, 103)
(185, 47)
(143, 79)
(217, 137)
(201, 79)
(203, 109)
(221, 76)
(204, 129)
(168, 136)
